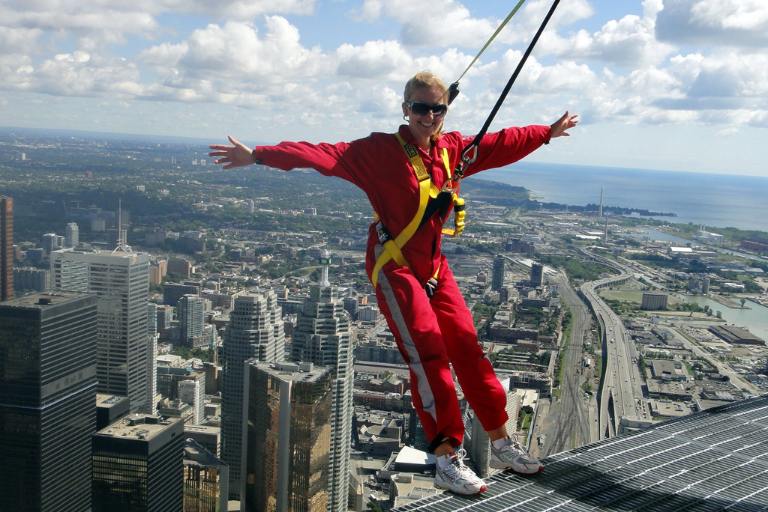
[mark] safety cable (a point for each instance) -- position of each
(454, 88)
(469, 153)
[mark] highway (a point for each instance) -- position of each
(621, 393)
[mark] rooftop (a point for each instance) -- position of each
(43, 300)
(713, 460)
(106, 400)
(140, 427)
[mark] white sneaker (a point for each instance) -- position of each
(513, 456)
(452, 474)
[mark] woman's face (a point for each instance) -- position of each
(426, 110)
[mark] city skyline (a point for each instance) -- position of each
(221, 237)
(672, 85)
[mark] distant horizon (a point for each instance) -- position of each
(673, 85)
(180, 139)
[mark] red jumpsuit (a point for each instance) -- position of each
(430, 333)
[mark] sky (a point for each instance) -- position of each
(659, 84)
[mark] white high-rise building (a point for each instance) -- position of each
(476, 439)
(323, 336)
(255, 331)
(191, 392)
(190, 311)
(71, 235)
(152, 373)
(51, 242)
(120, 280)
(154, 336)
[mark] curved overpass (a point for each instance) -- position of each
(620, 394)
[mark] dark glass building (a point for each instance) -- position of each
(537, 275)
(47, 401)
(206, 479)
(138, 465)
(497, 275)
(255, 330)
(287, 462)
(6, 248)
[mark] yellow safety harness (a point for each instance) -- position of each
(427, 189)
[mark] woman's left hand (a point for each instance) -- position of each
(559, 128)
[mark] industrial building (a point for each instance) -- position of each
(735, 335)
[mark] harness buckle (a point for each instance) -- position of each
(382, 233)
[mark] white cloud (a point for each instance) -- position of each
(107, 22)
(236, 52)
(14, 40)
(722, 22)
(80, 74)
(750, 15)
(165, 55)
(627, 42)
(430, 23)
(371, 60)
(620, 72)
(111, 24)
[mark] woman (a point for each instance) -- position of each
(414, 285)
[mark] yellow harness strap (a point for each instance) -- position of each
(393, 247)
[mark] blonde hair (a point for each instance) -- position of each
(425, 80)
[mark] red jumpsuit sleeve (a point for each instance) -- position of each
(328, 159)
(507, 146)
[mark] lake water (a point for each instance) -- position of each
(709, 199)
(755, 319)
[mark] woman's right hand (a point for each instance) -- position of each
(236, 155)
(560, 127)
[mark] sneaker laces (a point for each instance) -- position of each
(517, 448)
(456, 467)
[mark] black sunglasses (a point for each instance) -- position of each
(422, 109)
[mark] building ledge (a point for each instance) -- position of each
(712, 460)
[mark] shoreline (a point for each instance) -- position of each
(620, 211)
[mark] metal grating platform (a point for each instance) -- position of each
(713, 460)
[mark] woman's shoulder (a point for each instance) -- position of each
(375, 139)
(454, 138)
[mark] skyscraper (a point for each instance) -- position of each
(497, 277)
(255, 330)
(120, 280)
(47, 401)
(323, 336)
(190, 311)
(154, 336)
(206, 479)
(138, 464)
(31, 279)
(6, 248)
(71, 235)
(537, 275)
(50, 242)
(478, 444)
(288, 430)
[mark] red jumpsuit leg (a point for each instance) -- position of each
(408, 311)
(474, 371)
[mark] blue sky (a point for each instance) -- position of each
(660, 84)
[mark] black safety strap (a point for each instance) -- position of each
(469, 153)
